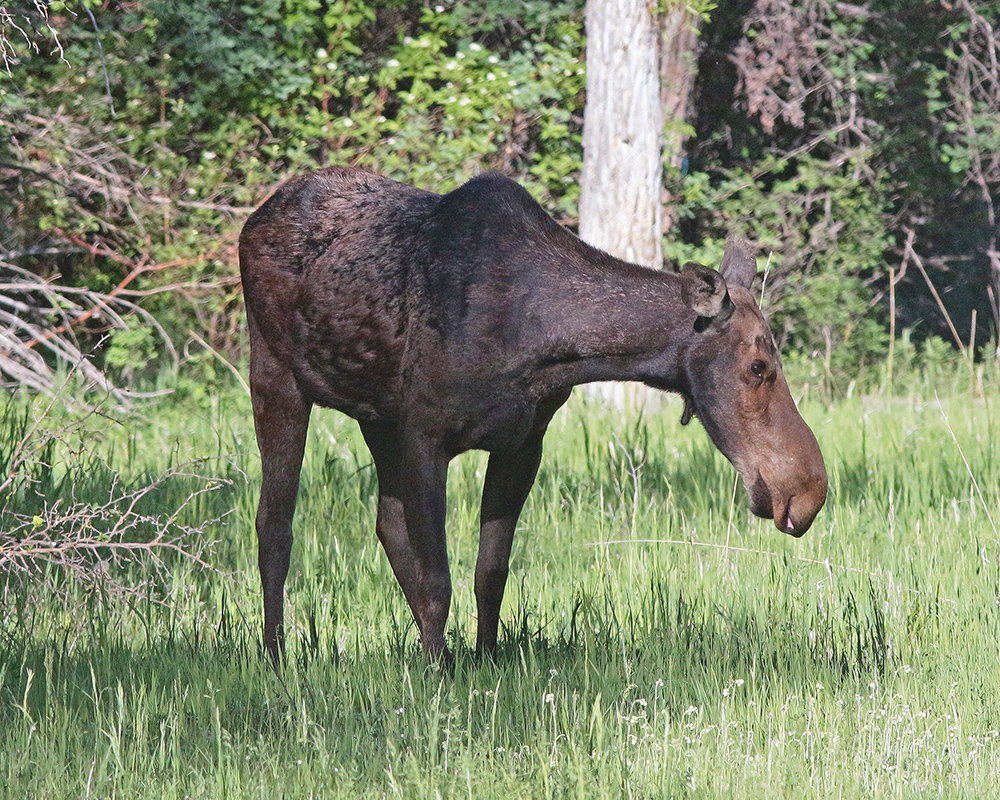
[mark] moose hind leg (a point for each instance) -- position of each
(281, 418)
(410, 526)
(509, 478)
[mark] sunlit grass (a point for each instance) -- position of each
(657, 641)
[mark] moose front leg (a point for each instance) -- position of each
(509, 477)
(410, 526)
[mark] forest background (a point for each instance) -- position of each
(859, 143)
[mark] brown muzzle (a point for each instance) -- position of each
(790, 487)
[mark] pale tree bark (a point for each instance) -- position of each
(640, 71)
(620, 209)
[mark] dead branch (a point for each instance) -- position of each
(109, 543)
(40, 315)
(93, 544)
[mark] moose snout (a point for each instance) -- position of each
(801, 509)
(793, 508)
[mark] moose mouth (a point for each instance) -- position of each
(762, 504)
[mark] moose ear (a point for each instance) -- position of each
(703, 290)
(739, 266)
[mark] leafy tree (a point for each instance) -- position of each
(858, 135)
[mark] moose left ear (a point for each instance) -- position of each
(739, 265)
(703, 290)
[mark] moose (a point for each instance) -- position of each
(444, 323)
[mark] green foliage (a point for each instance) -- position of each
(444, 106)
(210, 105)
(824, 234)
(868, 126)
(136, 138)
(130, 350)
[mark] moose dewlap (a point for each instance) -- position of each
(444, 323)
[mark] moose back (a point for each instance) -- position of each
(444, 323)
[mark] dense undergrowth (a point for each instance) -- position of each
(136, 139)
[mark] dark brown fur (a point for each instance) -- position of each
(444, 323)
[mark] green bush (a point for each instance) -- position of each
(143, 188)
(823, 235)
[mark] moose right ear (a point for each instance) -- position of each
(739, 265)
(705, 292)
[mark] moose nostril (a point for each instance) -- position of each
(789, 524)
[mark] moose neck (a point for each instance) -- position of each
(618, 322)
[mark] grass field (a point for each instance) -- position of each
(658, 641)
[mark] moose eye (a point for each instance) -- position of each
(758, 368)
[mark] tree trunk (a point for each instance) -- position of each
(620, 210)
(640, 66)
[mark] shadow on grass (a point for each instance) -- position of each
(197, 686)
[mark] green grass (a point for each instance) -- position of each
(658, 641)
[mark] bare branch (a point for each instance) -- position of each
(13, 29)
(111, 544)
(39, 315)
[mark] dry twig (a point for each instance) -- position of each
(113, 543)
(39, 318)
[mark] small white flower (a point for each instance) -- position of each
(493, 60)
(321, 53)
(439, 9)
(348, 122)
(331, 65)
(475, 48)
(208, 155)
(392, 63)
(490, 76)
